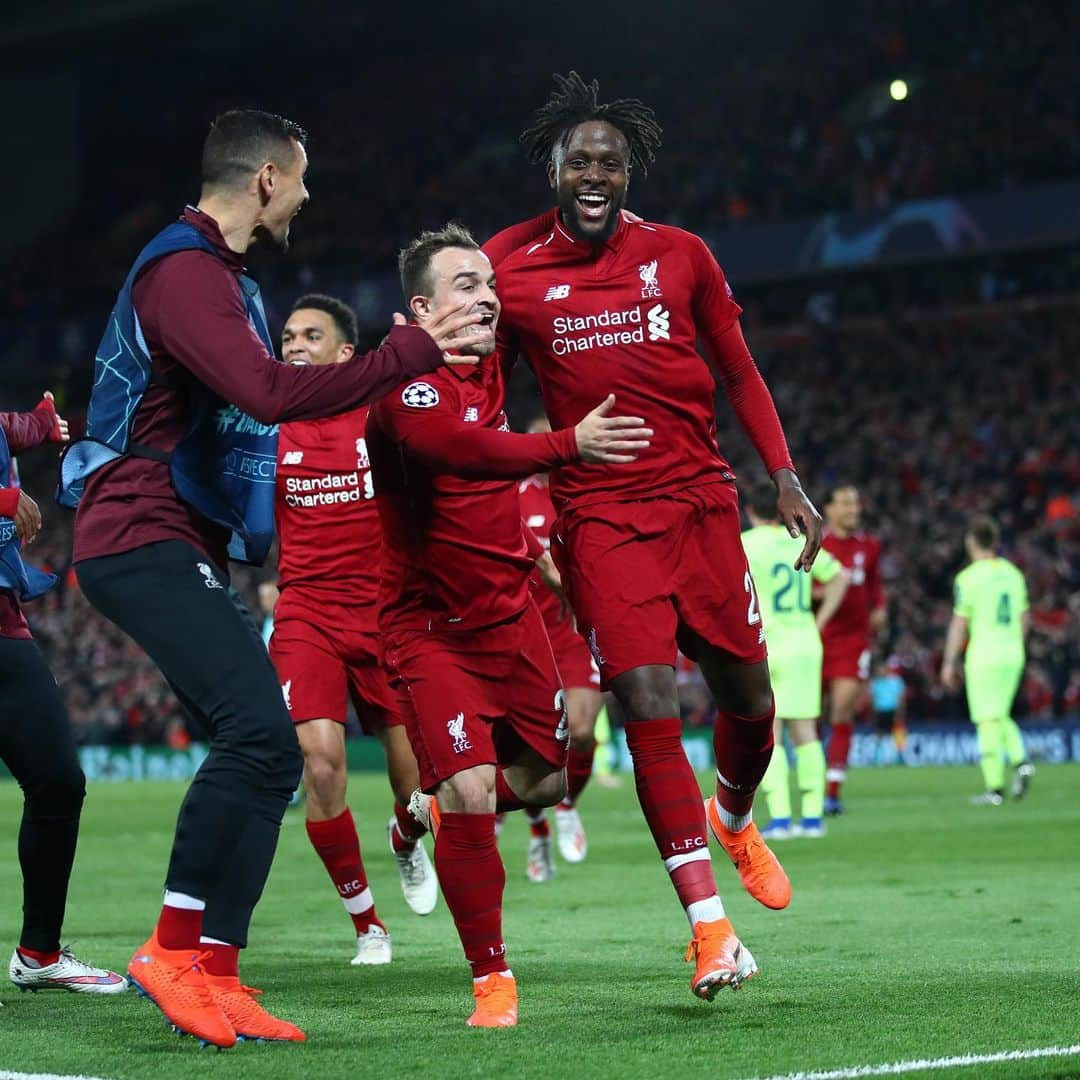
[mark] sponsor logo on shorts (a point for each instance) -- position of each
(557, 292)
(456, 729)
(286, 693)
(420, 395)
(209, 580)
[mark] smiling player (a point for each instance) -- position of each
(650, 553)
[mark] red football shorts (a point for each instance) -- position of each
(655, 576)
(321, 667)
(477, 697)
(846, 659)
(572, 658)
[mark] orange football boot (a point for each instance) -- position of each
(248, 1018)
(722, 960)
(174, 980)
(760, 870)
(496, 1001)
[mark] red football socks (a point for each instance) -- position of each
(179, 928)
(671, 801)
(743, 746)
(336, 843)
(472, 878)
(407, 830)
(836, 757)
(223, 959)
(40, 957)
(579, 765)
(538, 822)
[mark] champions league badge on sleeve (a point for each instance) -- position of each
(420, 395)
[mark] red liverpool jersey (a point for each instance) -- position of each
(327, 521)
(625, 318)
(539, 515)
(860, 555)
(457, 556)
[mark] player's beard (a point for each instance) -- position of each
(568, 208)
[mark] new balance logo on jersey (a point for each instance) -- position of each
(209, 580)
(659, 323)
(286, 693)
(647, 273)
(456, 730)
(472, 415)
(557, 292)
(292, 457)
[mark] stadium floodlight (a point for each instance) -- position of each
(898, 89)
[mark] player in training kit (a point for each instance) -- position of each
(850, 632)
(326, 645)
(794, 660)
(991, 615)
(487, 716)
(186, 387)
(581, 679)
(650, 553)
(36, 742)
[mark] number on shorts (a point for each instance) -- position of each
(753, 615)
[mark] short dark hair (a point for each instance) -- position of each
(344, 317)
(984, 531)
(414, 261)
(762, 500)
(836, 487)
(574, 102)
(241, 141)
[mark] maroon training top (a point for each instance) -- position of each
(193, 318)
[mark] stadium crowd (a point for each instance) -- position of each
(956, 414)
(993, 90)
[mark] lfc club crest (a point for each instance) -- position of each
(649, 286)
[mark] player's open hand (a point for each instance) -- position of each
(27, 518)
(59, 431)
(611, 440)
(799, 514)
(449, 330)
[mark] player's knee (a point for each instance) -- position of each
(468, 792)
(583, 740)
(56, 795)
(323, 773)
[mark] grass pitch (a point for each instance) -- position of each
(921, 927)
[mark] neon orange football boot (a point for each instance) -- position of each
(762, 875)
(174, 980)
(248, 1018)
(496, 1001)
(721, 959)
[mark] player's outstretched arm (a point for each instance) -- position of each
(25, 430)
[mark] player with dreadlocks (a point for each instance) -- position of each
(650, 553)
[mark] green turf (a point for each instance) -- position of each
(920, 927)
